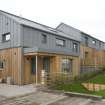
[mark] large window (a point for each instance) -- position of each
(75, 47)
(6, 37)
(60, 42)
(33, 65)
(44, 38)
(66, 65)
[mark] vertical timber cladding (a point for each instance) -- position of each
(94, 58)
(12, 59)
(28, 76)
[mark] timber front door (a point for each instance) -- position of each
(46, 64)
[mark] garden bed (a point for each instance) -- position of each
(94, 87)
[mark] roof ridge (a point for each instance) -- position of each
(26, 19)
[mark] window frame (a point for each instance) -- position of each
(4, 37)
(68, 65)
(94, 42)
(75, 48)
(60, 45)
(44, 38)
(86, 54)
(100, 44)
(1, 64)
(86, 41)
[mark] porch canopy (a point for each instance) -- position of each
(42, 62)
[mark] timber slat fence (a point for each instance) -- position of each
(60, 77)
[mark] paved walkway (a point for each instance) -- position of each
(28, 95)
(77, 101)
(44, 98)
(37, 98)
(15, 90)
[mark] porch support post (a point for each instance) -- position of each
(36, 69)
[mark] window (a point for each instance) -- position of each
(44, 38)
(75, 47)
(86, 41)
(6, 37)
(66, 65)
(60, 42)
(94, 42)
(33, 65)
(86, 55)
(1, 64)
(99, 44)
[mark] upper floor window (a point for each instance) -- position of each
(44, 38)
(99, 44)
(75, 47)
(60, 42)
(94, 42)
(6, 37)
(86, 41)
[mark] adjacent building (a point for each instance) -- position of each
(92, 50)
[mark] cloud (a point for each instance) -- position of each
(86, 15)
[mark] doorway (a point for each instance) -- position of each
(46, 64)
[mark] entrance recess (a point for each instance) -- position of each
(46, 64)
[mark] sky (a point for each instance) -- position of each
(85, 15)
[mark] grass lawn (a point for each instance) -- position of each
(74, 87)
(77, 87)
(100, 93)
(99, 79)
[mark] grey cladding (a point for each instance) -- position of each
(79, 35)
(33, 42)
(29, 35)
(8, 25)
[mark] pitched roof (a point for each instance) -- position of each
(67, 29)
(70, 31)
(36, 25)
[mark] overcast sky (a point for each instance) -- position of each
(85, 15)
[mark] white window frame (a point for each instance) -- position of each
(75, 47)
(94, 42)
(6, 37)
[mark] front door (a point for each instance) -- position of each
(46, 64)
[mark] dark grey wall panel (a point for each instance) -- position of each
(9, 25)
(33, 37)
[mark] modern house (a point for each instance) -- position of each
(92, 50)
(27, 48)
